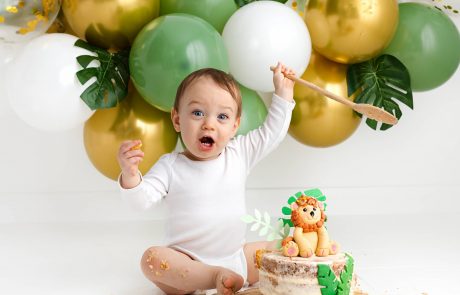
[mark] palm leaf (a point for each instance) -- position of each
(241, 3)
(381, 81)
(112, 76)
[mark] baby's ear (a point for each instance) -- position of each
(294, 206)
(175, 119)
(237, 124)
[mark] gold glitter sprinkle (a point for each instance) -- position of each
(184, 273)
(11, 9)
(152, 254)
(151, 267)
(164, 265)
(31, 25)
(158, 274)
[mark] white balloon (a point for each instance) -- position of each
(42, 87)
(260, 34)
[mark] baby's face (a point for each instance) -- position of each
(207, 119)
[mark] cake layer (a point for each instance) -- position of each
(281, 275)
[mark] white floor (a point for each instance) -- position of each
(394, 254)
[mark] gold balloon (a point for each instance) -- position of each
(351, 31)
(109, 23)
(60, 25)
(133, 118)
(317, 120)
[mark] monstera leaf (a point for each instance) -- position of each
(241, 3)
(112, 76)
(381, 82)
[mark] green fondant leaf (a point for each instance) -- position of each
(279, 244)
(322, 198)
(327, 279)
(315, 193)
(346, 276)
(298, 194)
(247, 218)
(287, 230)
(288, 221)
(263, 231)
(257, 214)
(286, 211)
(255, 226)
(292, 200)
(271, 236)
(267, 218)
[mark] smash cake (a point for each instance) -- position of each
(308, 262)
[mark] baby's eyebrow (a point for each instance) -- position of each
(193, 102)
(227, 108)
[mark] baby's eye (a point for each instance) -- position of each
(305, 210)
(222, 117)
(198, 113)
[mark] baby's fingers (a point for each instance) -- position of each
(130, 145)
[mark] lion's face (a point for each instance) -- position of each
(307, 214)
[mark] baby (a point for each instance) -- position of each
(204, 186)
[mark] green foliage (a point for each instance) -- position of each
(379, 82)
(343, 287)
(333, 285)
(112, 76)
(262, 223)
(327, 279)
(241, 3)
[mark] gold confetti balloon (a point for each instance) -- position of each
(351, 31)
(109, 23)
(23, 20)
(317, 120)
(133, 118)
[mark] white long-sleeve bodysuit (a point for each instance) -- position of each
(206, 199)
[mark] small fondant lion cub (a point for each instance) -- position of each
(310, 235)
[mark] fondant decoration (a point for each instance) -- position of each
(310, 234)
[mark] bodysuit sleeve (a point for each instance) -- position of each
(260, 142)
(153, 186)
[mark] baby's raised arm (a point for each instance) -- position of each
(284, 87)
(129, 156)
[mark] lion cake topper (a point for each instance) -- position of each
(310, 235)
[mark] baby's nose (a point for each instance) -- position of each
(208, 124)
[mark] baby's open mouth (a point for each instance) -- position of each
(207, 141)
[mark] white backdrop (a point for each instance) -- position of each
(47, 176)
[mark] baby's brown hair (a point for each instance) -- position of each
(221, 78)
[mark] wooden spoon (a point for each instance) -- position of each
(368, 110)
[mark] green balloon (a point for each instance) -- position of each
(167, 50)
(427, 42)
(216, 12)
(254, 111)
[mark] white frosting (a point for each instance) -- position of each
(288, 285)
(303, 282)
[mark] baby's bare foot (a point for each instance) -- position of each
(228, 282)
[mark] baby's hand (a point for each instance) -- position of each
(129, 156)
(284, 87)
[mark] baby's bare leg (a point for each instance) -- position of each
(176, 273)
(250, 253)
